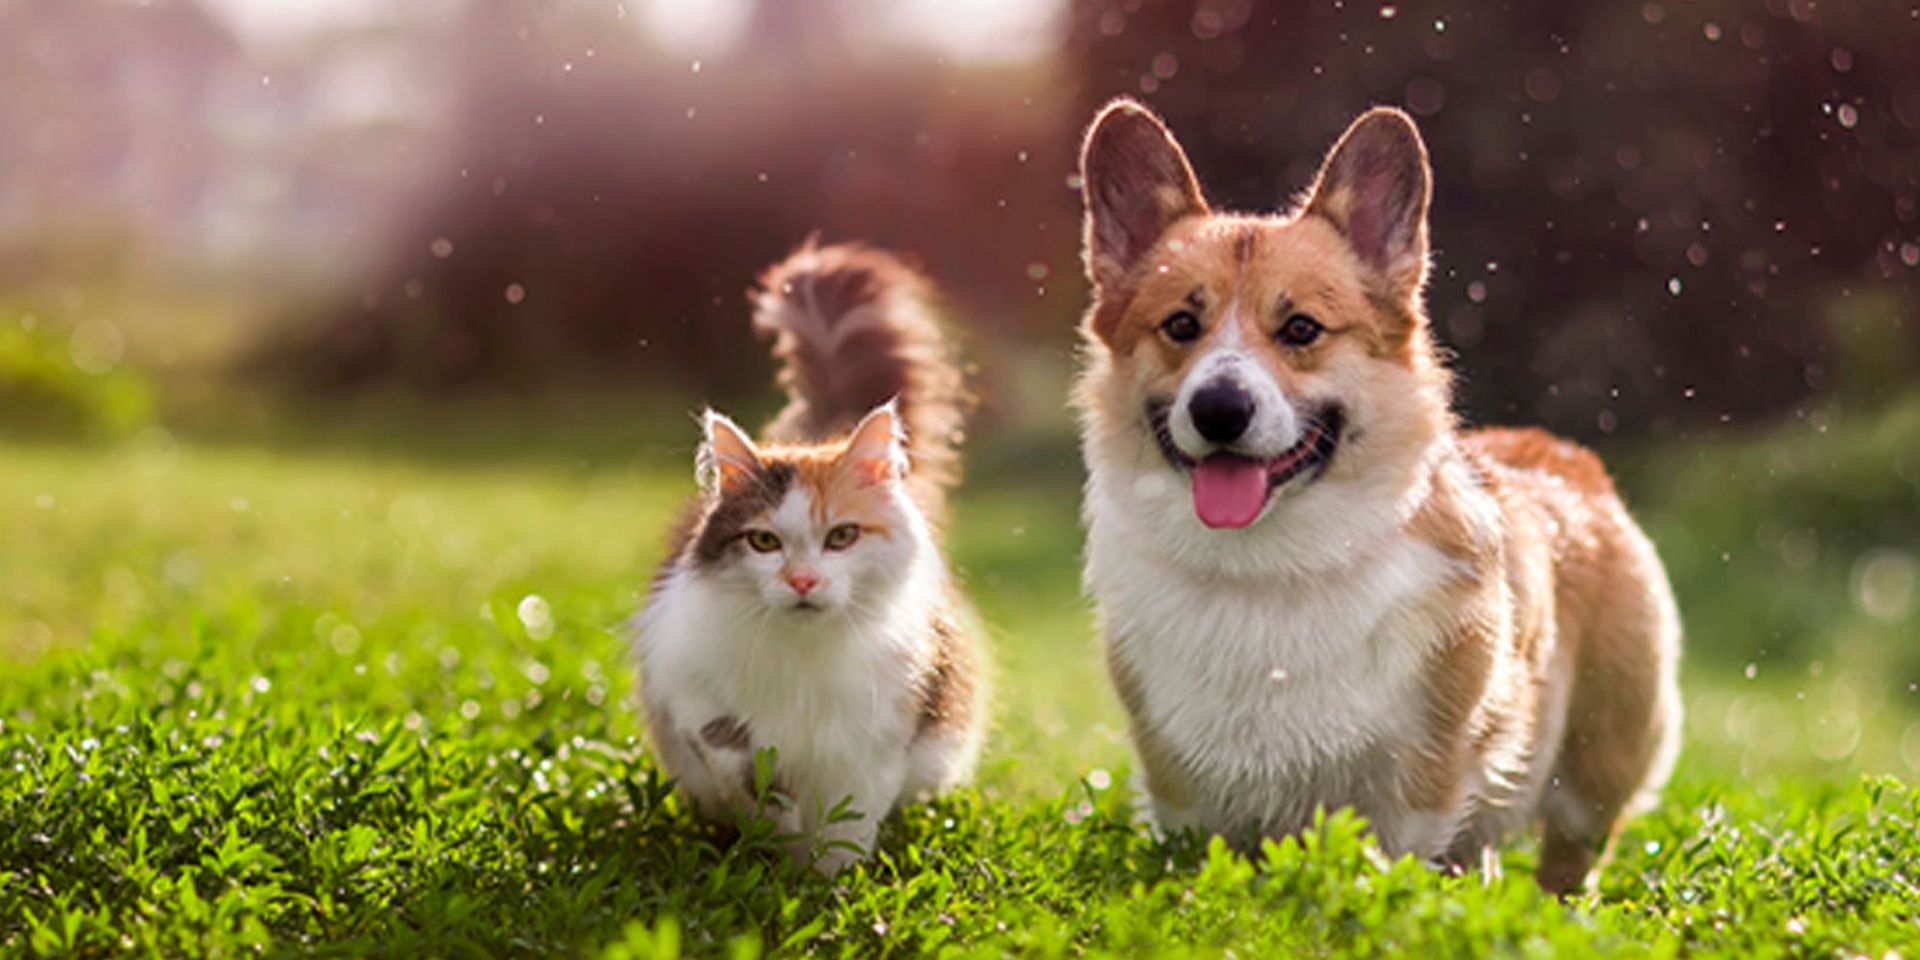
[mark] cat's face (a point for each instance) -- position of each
(806, 532)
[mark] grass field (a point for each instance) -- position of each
(362, 690)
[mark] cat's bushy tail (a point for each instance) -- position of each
(853, 327)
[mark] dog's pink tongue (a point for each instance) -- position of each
(1228, 491)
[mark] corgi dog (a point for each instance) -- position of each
(805, 605)
(1314, 588)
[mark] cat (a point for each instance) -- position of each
(806, 605)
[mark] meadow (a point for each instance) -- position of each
(356, 683)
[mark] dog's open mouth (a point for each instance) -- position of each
(1230, 491)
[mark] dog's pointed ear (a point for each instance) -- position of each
(1136, 182)
(1375, 188)
(727, 457)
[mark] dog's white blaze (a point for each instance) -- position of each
(1275, 426)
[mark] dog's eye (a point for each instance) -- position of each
(763, 541)
(1182, 327)
(1300, 330)
(843, 536)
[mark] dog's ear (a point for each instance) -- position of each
(1374, 188)
(1136, 182)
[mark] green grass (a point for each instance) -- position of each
(362, 694)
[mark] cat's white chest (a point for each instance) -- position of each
(1266, 689)
(807, 692)
(834, 710)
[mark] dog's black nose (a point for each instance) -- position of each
(1221, 411)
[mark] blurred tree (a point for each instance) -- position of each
(605, 206)
(104, 111)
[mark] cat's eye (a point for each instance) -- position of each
(843, 536)
(1299, 330)
(1182, 327)
(763, 541)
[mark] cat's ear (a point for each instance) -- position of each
(727, 457)
(877, 450)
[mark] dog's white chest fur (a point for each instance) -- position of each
(1276, 694)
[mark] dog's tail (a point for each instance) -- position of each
(853, 327)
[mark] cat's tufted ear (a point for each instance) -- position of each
(1374, 188)
(876, 450)
(727, 457)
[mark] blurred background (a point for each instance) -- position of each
(465, 232)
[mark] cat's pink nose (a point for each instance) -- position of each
(803, 581)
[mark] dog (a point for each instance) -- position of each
(1315, 589)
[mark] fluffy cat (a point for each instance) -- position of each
(806, 605)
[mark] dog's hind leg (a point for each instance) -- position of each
(1623, 722)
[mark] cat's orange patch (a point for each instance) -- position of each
(839, 489)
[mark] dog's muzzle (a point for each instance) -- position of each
(1221, 412)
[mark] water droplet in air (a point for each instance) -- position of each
(1389, 11)
(1674, 286)
(1883, 583)
(516, 293)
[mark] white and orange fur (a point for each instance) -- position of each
(1315, 589)
(806, 606)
